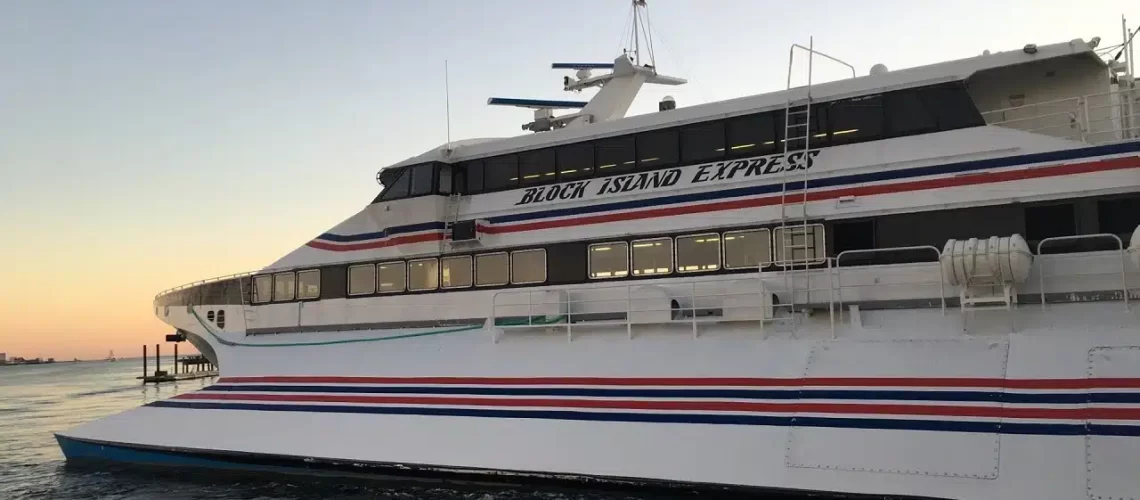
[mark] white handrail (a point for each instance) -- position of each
(937, 253)
(1120, 249)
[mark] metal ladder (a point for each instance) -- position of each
(450, 217)
(795, 244)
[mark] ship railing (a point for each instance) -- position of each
(1041, 260)
(1103, 118)
(204, 282)
(878, 284)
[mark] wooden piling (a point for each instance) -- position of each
(144, 360)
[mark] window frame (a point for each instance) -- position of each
(475, 261)
(297, 284)
(724, 248)
(376, 277)
(487, 169)
(818, 260)
(633, 249)
(545, 273)
(408, 275)
(470, 269)
(541, 177)
(348, 278)
(719, 253)
(388, 195)
(293, 295)
(590, 261)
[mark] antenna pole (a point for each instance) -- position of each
(636, 38)
(447, 102)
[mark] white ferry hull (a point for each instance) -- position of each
(1043, 413)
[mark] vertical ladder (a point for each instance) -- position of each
(450, 217)
(796, 245)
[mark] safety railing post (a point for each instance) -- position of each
(693, 306)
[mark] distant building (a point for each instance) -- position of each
(3, 358)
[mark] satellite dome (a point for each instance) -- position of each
(879, 69)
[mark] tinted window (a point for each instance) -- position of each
(702, 142)
(1119, 216)
(657, 149)
(473, 173)
(856, 120)
(753, 135)
(951, 106)
(422, 179)
(906, 115)
(614, 155)
(445, 182)
(1050, 220)
(537, 167)
(575, 161)
(502, 172)
(399, 187)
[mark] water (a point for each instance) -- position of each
(38, 400)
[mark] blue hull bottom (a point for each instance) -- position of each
(93, 451)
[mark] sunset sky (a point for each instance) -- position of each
(147, 144)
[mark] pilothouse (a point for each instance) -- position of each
(911, 282)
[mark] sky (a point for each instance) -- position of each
(148, 144)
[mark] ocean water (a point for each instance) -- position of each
(38, 400)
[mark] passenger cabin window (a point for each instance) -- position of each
(446, 184)
(614, 156)
(575, 161)
(399, 187)
(698, 253)
(536, 167)
(423, 274)
(492, 269)
(456, 271)
(657, 149)
(803, 244)
(609, 260)
(501, 172)
(528, 266)
(746, 249)
(284, 287)
(856, 120)
(473, 175)
(423, 179)
(362, 279)
(906, 115)
(391, 277)
(702, 142)
(309, 284)
(951, 106)
(653, 256)
(753, 135)
(262, 289)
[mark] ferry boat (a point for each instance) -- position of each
(915, 282)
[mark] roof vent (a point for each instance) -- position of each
(879, 69)
(667, 103)
(1030, 48)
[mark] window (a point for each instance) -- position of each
(492, 269)
(528, 266)
(399, 187)
(748, 248)
(423, 274)
(502, 172)
(1048, 221)
(361, 279)
(473, 177)
(698, 252)
(652, 256)
(609, 260)
(210, 316)
(284, 285)
(657, 149)
(262, 289)
(614, 156)
(391, 277)
(445, 182)
(221, 319)
(951, 106)
(575, 161)
(456, 271)
(702, 142)
(536, 167)
(423, 179)
(906, 114)
(1119, 216)
(856, 120)
(309, 284)
(805, 244)
(754, 135)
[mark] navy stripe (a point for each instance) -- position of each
(784, 394)
(394, 230)
(686, 418)
(949, 168)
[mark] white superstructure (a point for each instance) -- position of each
(913, 282)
